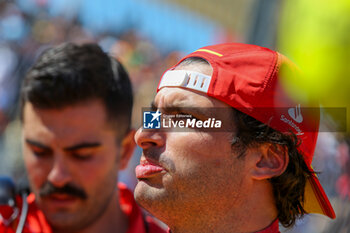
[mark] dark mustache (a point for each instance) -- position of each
(151, 154)
(69, 189)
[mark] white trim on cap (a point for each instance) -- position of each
(185, 78)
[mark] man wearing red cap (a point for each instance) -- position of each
(247, 177)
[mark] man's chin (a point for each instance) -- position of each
(153, 199)
(61, 214)
(144, 187)
(65, 222)
(147, 193)
(60, 220)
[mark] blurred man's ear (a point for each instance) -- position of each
(127, 149)
(270, 160)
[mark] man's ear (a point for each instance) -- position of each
(127, 148)
(270, 160)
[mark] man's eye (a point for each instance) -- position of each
(82, 156)
(41, 153)
(186, 116)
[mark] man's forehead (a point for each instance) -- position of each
(180, 97)
(173, 97)
(77, 121)
(93, 107)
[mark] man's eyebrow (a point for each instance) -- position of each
(201, 112)
(153, 106)
(184, 107)
(83, 145)
(180, 107)
(37, 144)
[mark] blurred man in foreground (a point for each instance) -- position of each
(247, 176)
(76, 109)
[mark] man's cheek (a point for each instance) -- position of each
(36, 175)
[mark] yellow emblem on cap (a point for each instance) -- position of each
(209, 51)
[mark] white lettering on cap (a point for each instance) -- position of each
(185, 78)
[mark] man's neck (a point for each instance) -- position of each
(272, 228)
(251, 214)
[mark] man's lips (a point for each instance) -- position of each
(147, 169)
(62, 197)
(61, 200)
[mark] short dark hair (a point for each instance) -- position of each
(70, 74)
(289, 187)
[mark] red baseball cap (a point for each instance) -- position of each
(247, 77)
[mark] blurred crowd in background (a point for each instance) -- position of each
(148, 36)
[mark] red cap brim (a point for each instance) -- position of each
(316, 200)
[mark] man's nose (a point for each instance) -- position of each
(59, 174)
(149, 138)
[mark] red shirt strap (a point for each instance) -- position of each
(272, 228)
